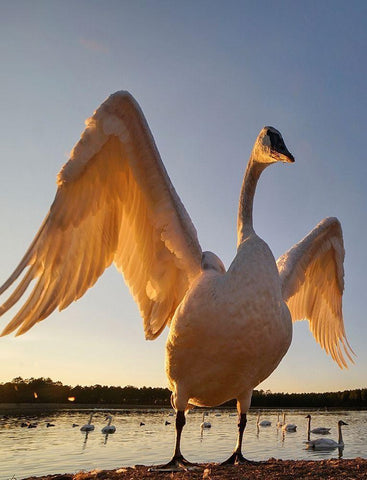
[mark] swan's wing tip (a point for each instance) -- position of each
(312, 280)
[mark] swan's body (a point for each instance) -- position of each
(88, 427)
(204, 423)
(328, 443)
(318, 430)
(288, 427)
(263, 423)
(109, 428)
(116, 203)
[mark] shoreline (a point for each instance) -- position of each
(34, 406)
(332, 469)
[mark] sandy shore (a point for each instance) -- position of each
(334, 469)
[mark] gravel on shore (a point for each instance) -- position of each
(333, 469)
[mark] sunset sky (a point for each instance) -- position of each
(208, 76)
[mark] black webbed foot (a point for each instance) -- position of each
(237, 458)
(176, 464)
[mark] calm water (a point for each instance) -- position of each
(64, 449)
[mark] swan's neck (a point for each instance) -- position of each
(244, 222)
(90, 419)
(340, 436)
(109, 421)
(308, 428)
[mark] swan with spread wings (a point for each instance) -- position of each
(116, 204)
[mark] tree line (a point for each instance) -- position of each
(45, 390)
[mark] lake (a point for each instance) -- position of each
(65, 449)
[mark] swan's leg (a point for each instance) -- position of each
(178, 461)
(243, 405)
(237, 456)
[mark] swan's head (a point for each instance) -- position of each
(340, 423)
(270, 147)
(210, 261)
(308, 416)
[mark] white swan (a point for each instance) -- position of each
(320, 430)
(263, 423)
(116, 203)
(204, 423)
(88, 427)
(328, 443)
(280, 423)
(288, 427)
(109, 428)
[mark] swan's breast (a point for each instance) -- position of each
(230, 331)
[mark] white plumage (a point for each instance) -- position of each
(280, 423)
(328, 443)
(109, 428)
(288, 427)
(263, 423)
(116, 203)
(88, 427)
(204, 423)
(320, 430)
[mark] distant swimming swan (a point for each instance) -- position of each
(204, 423)
(320, 430)
(109, 428)
(88, 427)
(263, 423)
(116, 203)
(280, 423)
(328, 443)
(288, 427)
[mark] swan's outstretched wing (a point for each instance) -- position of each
(312, 279)
(114, 203)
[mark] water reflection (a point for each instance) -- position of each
(66, 449)
(85, 439)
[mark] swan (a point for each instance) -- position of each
(263, 423)
(280, 423)
(328, 443)
(205, 424)
(109, 428)
(288, 427)
(320, 430)
(116, 203)
(88, 427)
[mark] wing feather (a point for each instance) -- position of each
(312, 279)
(114, 203)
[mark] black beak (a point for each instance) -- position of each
(288, 157)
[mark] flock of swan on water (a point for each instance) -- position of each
(115, 203)
(315, 444)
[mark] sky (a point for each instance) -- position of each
(208, 76)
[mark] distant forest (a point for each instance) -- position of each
(44, 390)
